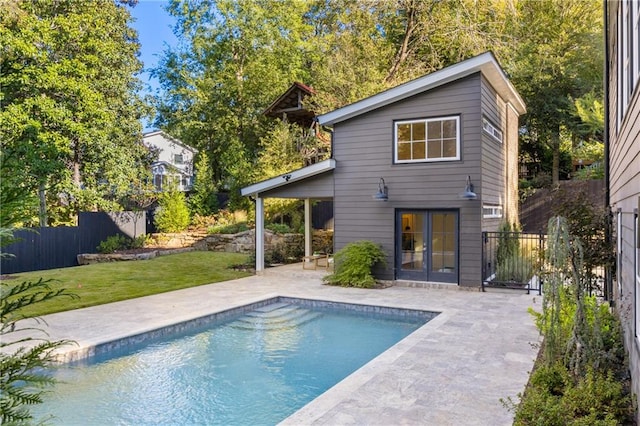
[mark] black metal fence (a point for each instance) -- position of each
(58, 247)
(516, 260)
(511, 260)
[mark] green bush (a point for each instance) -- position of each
(232, 228)
(113, 243)
(121, 242)
(514, 268)
(172, 214)
(279, 228)
(284, 252)
(354, 264)
(555, 398)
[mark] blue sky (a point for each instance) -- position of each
(154, 26)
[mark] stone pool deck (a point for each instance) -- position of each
(452, 371)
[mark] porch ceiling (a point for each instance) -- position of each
(314, 181)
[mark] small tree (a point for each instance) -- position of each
(172, 214)
(203, 200)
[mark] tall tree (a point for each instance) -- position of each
(71, 112)
(557, 57)
(236, 58)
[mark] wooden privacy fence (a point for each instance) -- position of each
(58, 247)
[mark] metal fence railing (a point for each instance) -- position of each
(511, 260)
(516, 260)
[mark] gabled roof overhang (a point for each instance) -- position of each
(485, 63)
(288, 178)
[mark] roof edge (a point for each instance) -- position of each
(288, 178)
(485, 63)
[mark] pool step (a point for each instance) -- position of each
(276, 317)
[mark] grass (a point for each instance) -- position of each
(111, 282)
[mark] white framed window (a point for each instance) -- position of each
(491, 211)
(492, 130)
(431, 139)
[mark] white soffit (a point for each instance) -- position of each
(485, 63)
(288, 178)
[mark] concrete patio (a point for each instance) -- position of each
(452, 371)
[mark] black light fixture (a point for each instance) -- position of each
(468, 193)
(383, 191)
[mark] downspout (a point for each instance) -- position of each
(608, 291)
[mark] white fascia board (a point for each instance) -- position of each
(288, 178)
(485, 63)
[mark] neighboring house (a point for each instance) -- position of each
(622, 141)
(174, 164)
(422, 169)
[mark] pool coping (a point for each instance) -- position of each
(454, 370)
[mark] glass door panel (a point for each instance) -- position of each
(413, 230)
(427, 245)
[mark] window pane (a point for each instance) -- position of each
(404, 132)
(418, 151)
(449, 129)
(435, 131)
(434, 149)
(449, 147)
(418, 132)
(404, 151)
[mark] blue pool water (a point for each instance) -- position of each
(255, 368)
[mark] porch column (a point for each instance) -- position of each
(308, 239)
(259, 234)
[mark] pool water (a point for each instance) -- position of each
(253, 369)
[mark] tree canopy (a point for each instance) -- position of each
(70, 119)
(237, 57)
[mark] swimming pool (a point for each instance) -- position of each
(258, 365)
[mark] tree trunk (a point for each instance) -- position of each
(555, 167)
(42, 214)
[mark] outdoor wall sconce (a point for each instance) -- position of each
(383, 191)
(468, 193)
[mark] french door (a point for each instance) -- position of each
(427, 245)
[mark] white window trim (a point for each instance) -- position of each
(491, 130)
(495, 211)
(635, 38)
(426, 160)
(619, 251)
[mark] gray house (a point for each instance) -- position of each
(422, 169)
(622, 142)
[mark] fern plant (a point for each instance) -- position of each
(23, 360)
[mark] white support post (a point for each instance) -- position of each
(308, 238)
(259, 235)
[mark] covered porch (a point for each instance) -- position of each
(314, 182)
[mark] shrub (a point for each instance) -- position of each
(284, 252)
(354, 264)
(232, 228)
(172, 214)
(514, 268)
(120, 242)
(279, 228)
(113, 243)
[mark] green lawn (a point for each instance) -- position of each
(110, 282)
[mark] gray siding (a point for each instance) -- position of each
(624, 185)
(499, 159)
(363, 149)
